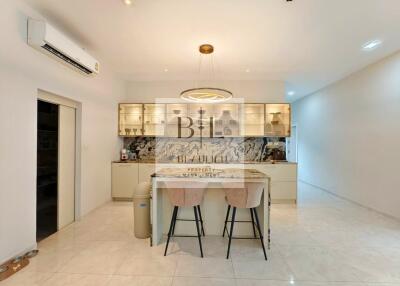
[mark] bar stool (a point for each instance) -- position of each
(186, 194)
(246, 195)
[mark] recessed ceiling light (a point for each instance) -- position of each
(128, 2)
(247, 70)
(290, 93)
(371, 45)
(165, 70)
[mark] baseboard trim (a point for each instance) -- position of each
(350, 201)
(283, 201)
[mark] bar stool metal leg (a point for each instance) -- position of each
(230, 234)
(176, 218)
(198, 230)
(260, 233)
(201, 220)
(252, 222)
(226, 220)
(173, 221)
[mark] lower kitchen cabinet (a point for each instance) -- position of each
(126, 176)
(283, 181)
(283, 192)
(145, 172)
(124, 180)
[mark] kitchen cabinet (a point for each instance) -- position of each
(284, 192)
(283, 181)
(174, 111)
(229, 119)
(254, 119)
(124, 180)
(277, 120)
(145, 172)
(126, 176)
(130, 119)
(154, 116)
(200, 114)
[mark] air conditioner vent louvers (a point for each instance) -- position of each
(66, 58)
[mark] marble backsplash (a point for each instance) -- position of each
(230, 150)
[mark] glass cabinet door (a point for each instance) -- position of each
(154, 119)
(254, 118)
(130, 119)
(201, 115)
(227, 120)
(277, 120)
(174, 111)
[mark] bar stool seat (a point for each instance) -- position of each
(186, 194)
(245, 195)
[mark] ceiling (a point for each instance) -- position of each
(307, 43)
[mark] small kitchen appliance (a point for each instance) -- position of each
(124, 155)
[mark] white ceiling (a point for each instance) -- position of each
(307, 43)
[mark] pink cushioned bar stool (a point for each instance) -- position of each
(185, 194)
(246, 195)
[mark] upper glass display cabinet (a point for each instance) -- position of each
(254, 119)
(130, 119)
(277, 120)
(154, 117)
(217, 120)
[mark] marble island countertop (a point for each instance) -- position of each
(204, 163)
(208, 172)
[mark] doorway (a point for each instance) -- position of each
(47, 170)
(56, 159)
(291, 145)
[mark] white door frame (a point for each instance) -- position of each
(60, 100)
(297, 141)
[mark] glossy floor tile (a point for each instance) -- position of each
(323, 241)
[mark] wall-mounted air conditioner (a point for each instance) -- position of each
(46, 38)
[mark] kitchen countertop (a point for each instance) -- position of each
(205, 163)
(190, 173)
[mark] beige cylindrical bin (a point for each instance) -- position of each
(141, 208)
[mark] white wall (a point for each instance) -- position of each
(251, 91)
(23, 71)
(349, 137)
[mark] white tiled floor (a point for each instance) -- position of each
(323, 241)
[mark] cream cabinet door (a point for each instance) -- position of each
(284, 192)
(280, 172)
(283, 181)
(145, 172)
(124, 180)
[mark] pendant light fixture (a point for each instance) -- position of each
(206, 94)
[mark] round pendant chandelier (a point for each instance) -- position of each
(206, 94)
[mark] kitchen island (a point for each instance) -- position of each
(214, 205)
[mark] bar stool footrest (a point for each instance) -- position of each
(184, 236)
